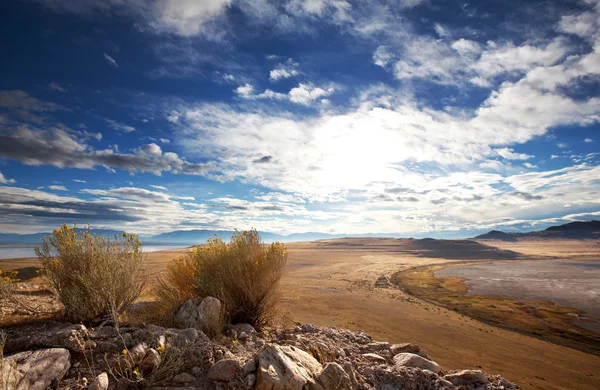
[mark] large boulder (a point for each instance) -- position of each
(224, 370)
(334, 377)
(52, 335)
(35, 370)
(416, 361)
(286, 368)
(204, 315)
(467, 377)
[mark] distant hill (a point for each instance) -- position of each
(36, 238)
(571, 230)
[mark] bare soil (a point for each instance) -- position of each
(331, 283)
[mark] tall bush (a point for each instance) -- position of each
(93, 276)
(243, 274)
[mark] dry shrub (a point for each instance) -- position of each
(93, 276)
(243, 274)
(177, 284)
(7, 285)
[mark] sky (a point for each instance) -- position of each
(415, 117)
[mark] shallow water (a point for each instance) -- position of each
(16, 252)
(567, 283)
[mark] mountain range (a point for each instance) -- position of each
(572, 230)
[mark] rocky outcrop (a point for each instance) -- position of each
(286, 368)
(35, 370)
(415, 361)
(202, 314)
(306, 357)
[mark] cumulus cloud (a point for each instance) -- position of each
(307, 93)
(303, 94)
(284, 70)
(4, 180)
(60, 148)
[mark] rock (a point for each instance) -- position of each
(333, 377)
(137, 353)
(71, 337)
(416, 361)
(250, 381)
(309, 328)
(100, 383)
(250, 366)
(185, 337)
(184, 378)
(35, 370)
(467, 377)
(224, 370)
(406, 347)
(242, 336)
(375, 357)
(202, 314)
(286, 368)
(243, 327)
(150, 362)
(378, 346)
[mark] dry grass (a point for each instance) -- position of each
(7, 286)
(243, 274)
(177, 283)
(92, 276)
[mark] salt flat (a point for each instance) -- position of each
(573, 283)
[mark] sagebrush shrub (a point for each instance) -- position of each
(7, 285)
(94, 277)
(243, 274)
(177, 283)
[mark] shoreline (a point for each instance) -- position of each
(538, 318)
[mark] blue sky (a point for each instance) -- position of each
(414, 117)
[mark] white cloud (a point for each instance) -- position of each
(79, 181)
(164, 140)
(588, 140)
(57, 188)
(119, 126)
(510, 154)
(4, 180)
(492, 164)
(57, 87)
(306, 93)
(584, 24)
(111, 61)
(303, 94)
(245, 90)
(284, 70)
(186, 17)
(529, 165)
(158, 187)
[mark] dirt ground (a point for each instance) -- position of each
(330, 283)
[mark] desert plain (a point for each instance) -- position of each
(332, 283)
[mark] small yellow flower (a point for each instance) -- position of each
(136, 372)
(124, 352)
(160, 348)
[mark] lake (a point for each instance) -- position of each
(566, 283)
(23, 251)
